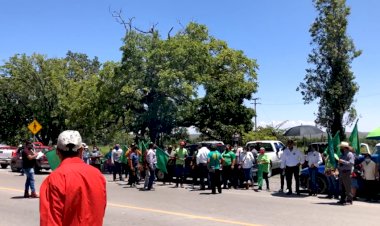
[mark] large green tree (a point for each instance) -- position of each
(32, 90)
(230, 79)
(157, 77)
(59, 92)
(331, 80)
(158, 81)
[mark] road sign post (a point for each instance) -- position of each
(34, 127)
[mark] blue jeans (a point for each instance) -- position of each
(149, 178)
(313, 179)
(180, 174)
(333, 187)
(29, 172)
(247, 174)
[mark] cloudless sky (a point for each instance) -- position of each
(274, 32)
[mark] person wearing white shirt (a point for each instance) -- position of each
(370, 175)
(202, 164)
(291, 160)
(247, 160)
(314, 159)
(151, 162)
(116, 161)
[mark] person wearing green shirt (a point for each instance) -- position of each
(214, 161)
(180, 157)
(264, 166)
(229, 158)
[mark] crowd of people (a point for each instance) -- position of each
(64, 194)
(240, 167)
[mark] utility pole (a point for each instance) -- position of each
(254, 104)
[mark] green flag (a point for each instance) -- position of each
(142, 147)
(124, 158)
(162, 159)
(330, 149)
(354, 138)
(336, 141)
(53, 159)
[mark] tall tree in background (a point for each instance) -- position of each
(59, 92)
(230, 79)
(331, 81)
(33, 88)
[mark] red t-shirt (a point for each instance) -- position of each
(73, 194)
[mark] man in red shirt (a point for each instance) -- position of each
(75, 193)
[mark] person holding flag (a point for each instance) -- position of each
(332, 154)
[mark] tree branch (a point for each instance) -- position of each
(171, 29)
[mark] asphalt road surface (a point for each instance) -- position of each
(166, 206)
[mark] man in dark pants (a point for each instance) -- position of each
(346, 163)
(116, 161)
(214, 161)
(180, 157)
(228, 165)
(202, 157)
(291, 160)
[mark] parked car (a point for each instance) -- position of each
(6, 153)
(41, 163)
(273, 148)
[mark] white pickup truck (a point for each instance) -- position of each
(273, 148)
(6, 153)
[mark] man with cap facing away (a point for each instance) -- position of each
(345, 166)
(75, 193)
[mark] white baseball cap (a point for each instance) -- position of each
(69, 138)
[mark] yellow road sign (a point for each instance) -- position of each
(34, 127)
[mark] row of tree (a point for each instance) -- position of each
(158, 87)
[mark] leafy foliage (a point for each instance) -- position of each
(152, 92)
(331, 81)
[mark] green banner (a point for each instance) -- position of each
(53, 159)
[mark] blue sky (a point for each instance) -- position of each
(274, 32)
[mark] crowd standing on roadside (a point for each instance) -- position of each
(217, 169)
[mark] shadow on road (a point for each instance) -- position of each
(18, 197)
(284, 195)
(328, 203)
(208, 193)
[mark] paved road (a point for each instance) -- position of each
(168, 206)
